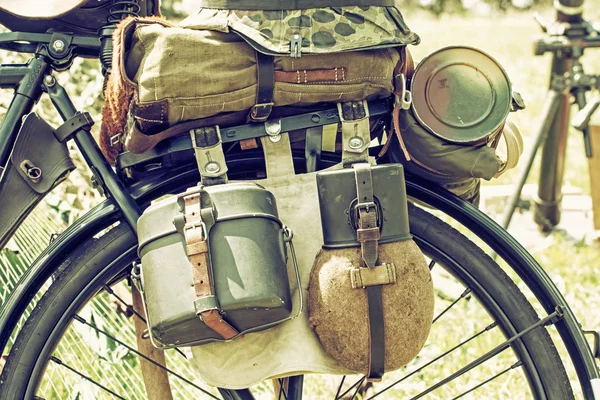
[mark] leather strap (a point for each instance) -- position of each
(259, 5)
(76, 122)
(311, 76)
(266, 83)
(206, 303)
(368, 233)
(376, 333)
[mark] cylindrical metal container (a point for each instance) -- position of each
(461, 94)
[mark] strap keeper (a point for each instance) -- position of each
(76, 122)
(369, 234)
(203, 304)
(383, 274)
(197, 248)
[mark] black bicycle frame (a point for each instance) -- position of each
(30, 81)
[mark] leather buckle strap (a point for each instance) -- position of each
(266, 84)
(368, 235)
(366, 209)
(196, 235)
(81, 120)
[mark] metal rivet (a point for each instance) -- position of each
(315, 118)
(58, 45)
(49, 81)
(230, 133)
(355, 142)
(275, 138)
(212, 167)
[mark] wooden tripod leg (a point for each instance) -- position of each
(156, 379)
(594, 164)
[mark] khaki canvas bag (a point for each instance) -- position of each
(164, 75)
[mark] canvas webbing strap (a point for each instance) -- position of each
(356, 134)
(288, 4)
(206, 304)
(368, 234)
(266, 84)
(209, 154)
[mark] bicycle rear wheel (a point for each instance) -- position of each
(75, 339)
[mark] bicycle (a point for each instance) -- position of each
(89, 259)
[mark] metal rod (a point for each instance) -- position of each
(135, 313)
(462, 296)
(548, 111)
(87, 378)
(587, 143)
(444, 354)
(490, 354)
(26, 95)
(82, 320)
(515, 365)
(94, 157)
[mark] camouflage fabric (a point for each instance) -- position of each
(323, 30)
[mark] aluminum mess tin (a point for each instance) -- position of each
(248, 258)
(461, 94)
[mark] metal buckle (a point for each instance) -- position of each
(115, 139)
(366, 206)
(193, 225)
(261, 112)
(355, 209)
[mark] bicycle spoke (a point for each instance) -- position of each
(486, 329)
(281, 389)
(359, 382)
(515, 365)
(462, 296)
(87, 378)
(490, 354)
(131, 310)
(358, 389)
(337, 394)
(83, 321)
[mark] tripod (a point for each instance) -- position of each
(566, 38)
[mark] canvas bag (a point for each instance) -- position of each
(164, 75)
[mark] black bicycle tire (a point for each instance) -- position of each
(81, 269)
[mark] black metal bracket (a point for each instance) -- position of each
(595, 345)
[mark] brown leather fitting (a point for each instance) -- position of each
(212, 318)
(311, 76)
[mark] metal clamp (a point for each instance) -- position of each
(404, 100)
(296, 46)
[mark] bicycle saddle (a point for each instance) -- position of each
(73, 16)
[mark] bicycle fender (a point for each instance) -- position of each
(97, 219)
